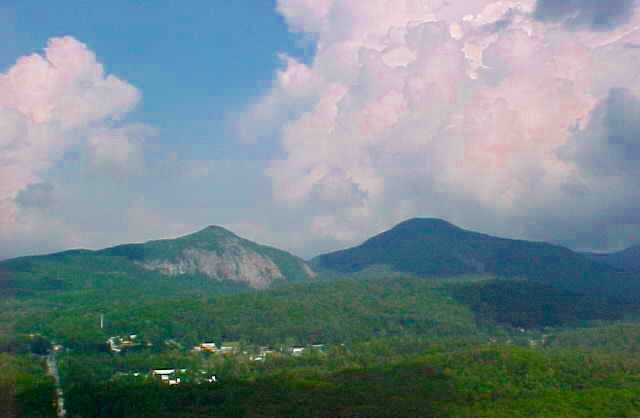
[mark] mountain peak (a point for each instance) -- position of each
(415, 229)
(429, 247)
(212, 231)
(426, 223)
(216, 228)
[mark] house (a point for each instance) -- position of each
(168, 376)
(118, 343)
(206, 347)
(296, 351)
(163, 372)
(113, 343)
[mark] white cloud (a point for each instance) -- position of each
(438, 105)
(51, 104)
(119, 150)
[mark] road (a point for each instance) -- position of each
(52, 370)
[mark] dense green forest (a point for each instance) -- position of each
(25, 390)
(524, 336)
(335, 311)
(436, 248)
(625, 260)
(401, 377)
(530, 304)
(327, 311)
(392, 346)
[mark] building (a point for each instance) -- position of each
(169, 376)
(206, 347)
(296, 351)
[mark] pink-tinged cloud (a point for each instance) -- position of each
(52, 103)
(434, 103)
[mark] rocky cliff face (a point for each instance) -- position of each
(214, 252)
(230, 261)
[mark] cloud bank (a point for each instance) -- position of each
(51, 104)
(488, 113)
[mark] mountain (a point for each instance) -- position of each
(434, 247)
(625, 260)
(209, 258)
(217, 254)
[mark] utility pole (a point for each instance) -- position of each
(101, 321)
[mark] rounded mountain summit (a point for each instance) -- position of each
(428, 247)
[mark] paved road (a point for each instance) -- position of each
(52, 370)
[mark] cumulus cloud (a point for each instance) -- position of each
(451, 109)
(119, 150)
(606, 153)
(53, 103)
(599, 15)
(610, 145)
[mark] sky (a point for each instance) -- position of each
(313, 124)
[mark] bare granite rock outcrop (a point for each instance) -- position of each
(231, 262)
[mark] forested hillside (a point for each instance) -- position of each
(625, 260)
(382, 378)
(335, 311)
(393, 328)
(436, 248)
(330, 311)
(206, 260)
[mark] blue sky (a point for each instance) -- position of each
(312, 124)
(193, 64)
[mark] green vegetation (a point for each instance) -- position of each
(25, 390)
(527, 304)
(625, 260)
(327, 311)
(619, 339)
(404, 377)
(435, 248)
(425, 320)
(412, 347)
(69, 290)
(117, 272)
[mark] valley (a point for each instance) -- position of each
(425, 319)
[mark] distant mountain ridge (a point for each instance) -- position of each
(214, 254)
(625, 260)
(434, 247)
